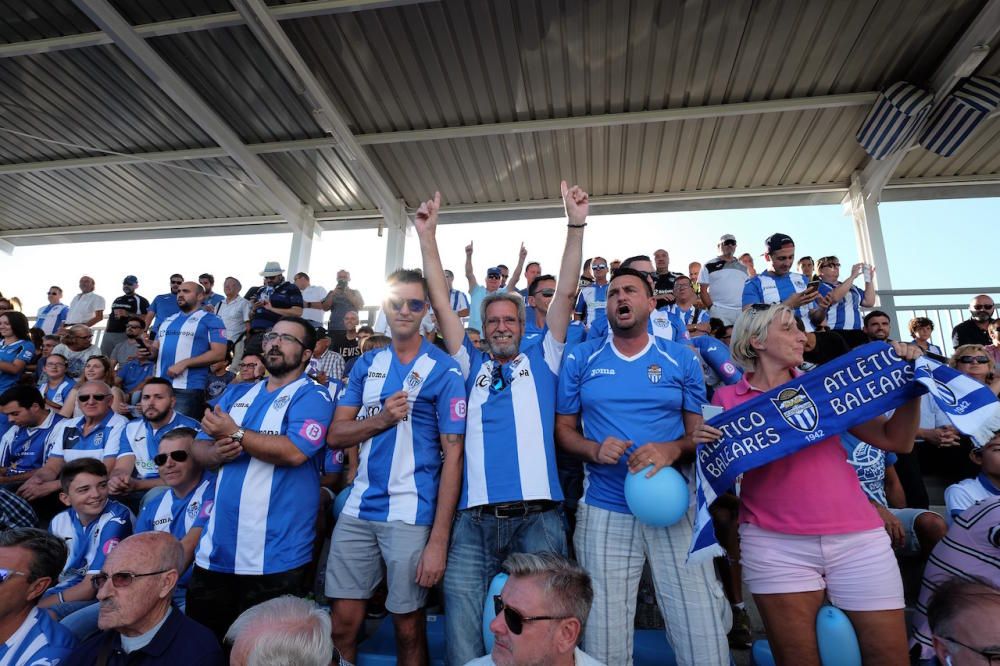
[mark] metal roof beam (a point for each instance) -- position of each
(198, 23)
(960, 62)
(273, 189)
(468, 131)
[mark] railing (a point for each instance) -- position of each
(944, 312)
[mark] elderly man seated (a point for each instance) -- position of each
(139, 625)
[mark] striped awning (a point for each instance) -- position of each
(958, 115)
(896, 115)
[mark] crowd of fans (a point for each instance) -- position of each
(185, 468)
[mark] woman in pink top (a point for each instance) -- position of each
(806, 528)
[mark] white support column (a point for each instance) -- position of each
(395, 245)
(871, 245)
(6, 247)
(302, 242)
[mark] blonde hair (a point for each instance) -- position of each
(971, 350)
(752, 325)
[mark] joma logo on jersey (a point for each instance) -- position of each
(797, 408)
(654, 372)
(372, 374)
(602, 371)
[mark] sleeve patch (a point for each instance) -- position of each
(458, 409)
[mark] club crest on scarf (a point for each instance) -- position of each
(797, 408)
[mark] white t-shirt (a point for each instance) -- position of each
(313, 294)
(83, 307)
(234, 315)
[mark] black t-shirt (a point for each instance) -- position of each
(343, 346)
(133, 305)
(664, 285)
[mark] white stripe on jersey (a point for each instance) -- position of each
(403, 498)
(251, 530)
(185, 342)
(18, 637)
(475, 452)
(532, 463)
(378, 372)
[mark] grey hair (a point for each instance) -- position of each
(287, 631)
(954, 596)
(502, 295)
(565, 584)
(48, 553)
(752, 325)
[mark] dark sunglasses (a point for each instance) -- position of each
(177, 456)
(493, 276)
(729, 242)
(7, 573)
(87, 397)
(548, 293)
(414, 304)
(974, 359)
(121, 578)
(53, 293)
(982, 307)
(176, 282)
(515, 621)
(599, 267)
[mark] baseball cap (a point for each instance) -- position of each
(130, 279)
(493, 272)
(727, 237)
(775, 242)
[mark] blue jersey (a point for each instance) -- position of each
(179, 515)
(639, 399)
(767, 287)
(399, 469)
(845, 314)
(57, 393)
(510, 452)
(89, 546)
(263, 519)
(233, 391)
(163, 306)
(185, 336)
(51, 317)
(19, 350)
(662, 324)
(213, 302)
(69, 441)
(39, 641)
(140, 441)
(134, 372)
(869, 465)
(692, 316)
(592, 304)
(25, 449)
(333, 459)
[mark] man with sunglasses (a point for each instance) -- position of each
(510, 500)
(30, 562)
(540, 613)
(164, 305)
(592, 303)
(52, 316)
(135, 470)
(139, 626)
(975, 329)
(722, 280)
(404, 406)
(187, 343)
(265, 444)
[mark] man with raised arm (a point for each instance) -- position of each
(510, 484)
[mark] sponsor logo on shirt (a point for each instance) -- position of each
(458, 409)
(109, 545)
(312, 430)
(160, 521)
(372, 374)
(602, 371)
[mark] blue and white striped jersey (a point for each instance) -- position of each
(663, 324)
(138, 439)
(25, 449)
(39, 641)
(766, 287)
(264, 515)
(89, 546)
(51, 317)
(510, 450)
(58, 393)
(399, 469)
(178, 515)
(845, 314)
(183, 336)
(593, 303)
(70, 443)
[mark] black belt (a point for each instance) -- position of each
(517, 509)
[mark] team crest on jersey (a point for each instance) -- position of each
(654, 372)
(99, 439)
(280, 402)
(193, 508)
(797, 408)
(413, 380)
(661, 321)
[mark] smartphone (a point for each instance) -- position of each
(711, 411)
(812, 286)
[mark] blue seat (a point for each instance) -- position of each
(650, 648)
(379, 649)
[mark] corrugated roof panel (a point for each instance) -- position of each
(23, 20)
(321, 179)
(150, 11)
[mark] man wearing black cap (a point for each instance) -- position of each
(779, 284)
(722, 281)
(127, 305)
(478, 292)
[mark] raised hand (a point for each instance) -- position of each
(425, 219)
(577, 203)
(523, 252)
(468, 249)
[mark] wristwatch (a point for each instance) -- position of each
(238, 436)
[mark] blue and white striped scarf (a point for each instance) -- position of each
(837, 396)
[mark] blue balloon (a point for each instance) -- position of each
(659, 501)
(489, 612)
(340, 500)
(838, 643)
(761, 655)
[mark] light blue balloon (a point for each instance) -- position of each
(838, 643)
(489, 612)
(659, 501)
(761, 655)
(340, 500)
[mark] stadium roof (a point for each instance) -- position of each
(148, 118)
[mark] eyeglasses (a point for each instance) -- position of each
(177, 456)
(599, 267)
(974, 359)
(515, 621)
(992, 656)
(53, 293)
(729, 242)
(271, 338)
(138, 326)
(121, 578)
(414, 304)
(980, 306)
(7, 573)
(245, 366)
(548, 293)
(87, 397)
(176, 282)
(492, 276)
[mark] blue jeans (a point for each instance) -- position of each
(480, 542)
(190, 402)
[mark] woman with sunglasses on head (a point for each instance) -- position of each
(16, 348)
(96, 369)
(806, 528)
